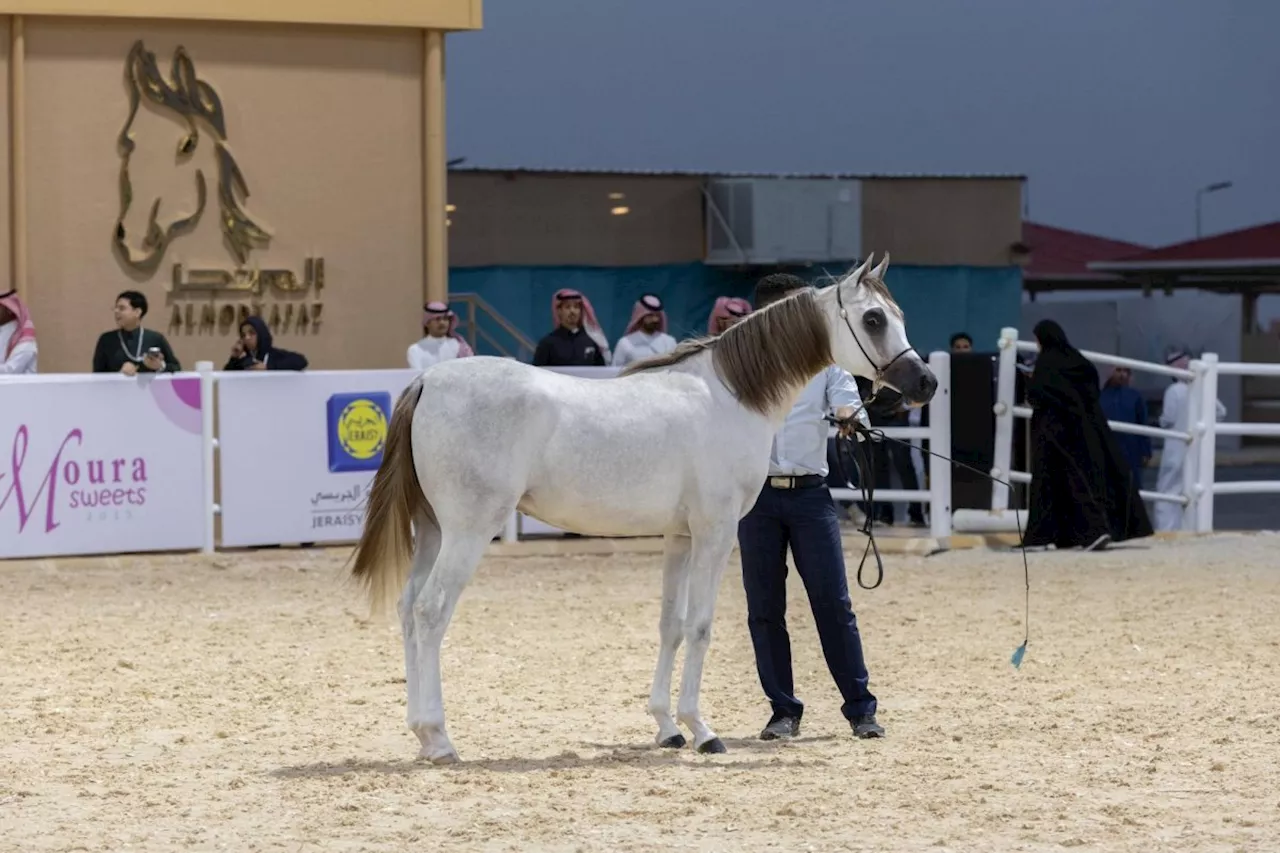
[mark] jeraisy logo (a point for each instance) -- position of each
(357, 430)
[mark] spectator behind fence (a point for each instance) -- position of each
(17, 336)
(256, 351)
(1123, 404)
(646, 334)
(727, 311)
(131, 349)
(577, 339)
(1083, 494)
(961, 342)
(440, 341)
(1173, 455)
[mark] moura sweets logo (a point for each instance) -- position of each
(41, 489)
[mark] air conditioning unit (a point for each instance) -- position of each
(783, 220)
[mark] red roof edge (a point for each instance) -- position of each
(1064, 254)
(1257, 241)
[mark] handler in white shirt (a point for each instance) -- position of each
(795, 509)
(441, 341)
(646, 334)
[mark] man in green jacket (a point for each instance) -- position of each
(129, 348)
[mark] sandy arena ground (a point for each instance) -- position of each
(244, 702)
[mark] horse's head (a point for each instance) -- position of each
(869, 334)
(182, 102)
(143, 232)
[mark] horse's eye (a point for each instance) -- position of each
(873, 320)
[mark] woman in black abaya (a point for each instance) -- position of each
(1083, 494)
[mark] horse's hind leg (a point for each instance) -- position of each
(710, 554)
(425, 549)
(675, 576)
(460, 554)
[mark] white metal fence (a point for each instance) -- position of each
(938, 434)
(95, 464)
(1198, 483)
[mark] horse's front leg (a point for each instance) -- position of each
(675, 584)
(711, 550)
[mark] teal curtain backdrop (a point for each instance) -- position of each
(938, 301)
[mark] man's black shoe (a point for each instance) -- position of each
(784, 727)
(866, 727)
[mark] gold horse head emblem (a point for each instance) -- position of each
(193, 102)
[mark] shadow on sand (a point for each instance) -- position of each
(759, 754)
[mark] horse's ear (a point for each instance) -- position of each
(856, 276)
(878, 272)
(184, 74)
(200, 98)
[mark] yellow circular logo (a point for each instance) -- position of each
(362, 429)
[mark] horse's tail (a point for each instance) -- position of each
(385, 550)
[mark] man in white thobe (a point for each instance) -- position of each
(1174, 415)
(18, 351)
(646, 334)
(441, 340)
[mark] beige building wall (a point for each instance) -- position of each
(326, 127)
(6, 256)
(505, 218)
(932, 221)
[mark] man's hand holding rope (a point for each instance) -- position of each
(851, 422)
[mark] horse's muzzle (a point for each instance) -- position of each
(913, 379)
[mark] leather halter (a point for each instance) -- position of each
(878, 380)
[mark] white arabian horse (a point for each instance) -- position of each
(472, 440)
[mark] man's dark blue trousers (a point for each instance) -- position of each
(803, 519)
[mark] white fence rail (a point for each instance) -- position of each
(109, 464)
(94, 464)
(938, 434)
(1198, 483)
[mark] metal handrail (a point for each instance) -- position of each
(475, 301)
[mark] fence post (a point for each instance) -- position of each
(940, 442)
(1005, 375)
(1207, 437)
(511, 530)
(208, 441)
(1191, 459)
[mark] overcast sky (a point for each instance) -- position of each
(1116, 110)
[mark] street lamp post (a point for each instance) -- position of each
(1200, 194)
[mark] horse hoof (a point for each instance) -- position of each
(440, 759)
(715, 746)
(676, 741)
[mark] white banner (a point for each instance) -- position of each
(100, 464)
(298, 451)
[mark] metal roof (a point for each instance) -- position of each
(1061, 254)
(1246, 248)
(692, 173)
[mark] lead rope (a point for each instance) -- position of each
(866, 483)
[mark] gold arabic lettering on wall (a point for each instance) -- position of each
(194, 103)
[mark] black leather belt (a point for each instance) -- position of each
(803, 481)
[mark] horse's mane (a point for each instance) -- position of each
(764, 355)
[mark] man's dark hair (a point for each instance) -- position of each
(961, 336)
(773, 287)
(136, 300)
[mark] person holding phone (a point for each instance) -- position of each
(256, 350)
(129, 348)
